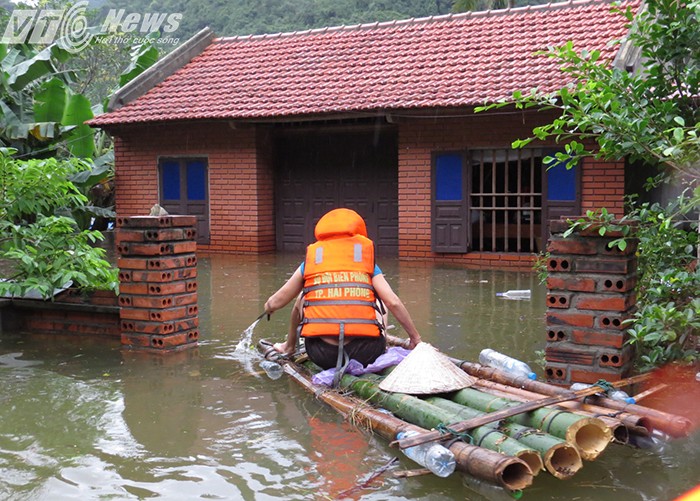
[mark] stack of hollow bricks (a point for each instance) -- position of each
(157, 282)
(590, 294)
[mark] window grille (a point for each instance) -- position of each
(505, 209)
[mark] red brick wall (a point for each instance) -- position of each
(602, 182)
(240, 179)
(603, 185)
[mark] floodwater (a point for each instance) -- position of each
(86, 420)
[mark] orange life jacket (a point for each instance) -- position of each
(338, 270)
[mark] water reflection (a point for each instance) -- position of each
(82, 419)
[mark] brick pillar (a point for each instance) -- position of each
(590, 292)
(157, 282)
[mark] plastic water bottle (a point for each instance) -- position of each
(505, 363)
(431, 455)
(615, 394)
(490, 491)
(272, 369)
(657, 441)
(515, 294)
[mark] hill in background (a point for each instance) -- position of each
(246, 17)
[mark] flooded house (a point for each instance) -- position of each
(258, 136)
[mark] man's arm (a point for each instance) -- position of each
(286, 293)
(280, 299)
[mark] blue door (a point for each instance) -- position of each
(184, 191)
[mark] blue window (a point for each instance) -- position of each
(170, 177)
(184, 190)
(183, 179)
(448, 177)
(196, 180)
(561, 183)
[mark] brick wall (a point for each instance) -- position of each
(71, 312)
(240, 179)
(602, 182)
(603, 185)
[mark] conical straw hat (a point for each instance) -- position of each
(426, 371)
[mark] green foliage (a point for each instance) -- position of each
(143, 56)
(95, 184)
(38, 109)
(47, 205)
(42, 249)
(472, 5)
(603, 223)
(540, 267)
(666, 325)
(245, 17)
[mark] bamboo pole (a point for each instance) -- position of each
(674, 425)
(671, 424)
(590, 435)
(426, 415)
(619, 422)
(587, 430)
(506, 471)
(560, 458)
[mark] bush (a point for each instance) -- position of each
(666, 325)
(41, 245)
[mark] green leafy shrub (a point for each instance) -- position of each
(666, 325)
(42, 248)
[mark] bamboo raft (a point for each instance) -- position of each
(503, 430)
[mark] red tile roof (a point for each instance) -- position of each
(447, 61)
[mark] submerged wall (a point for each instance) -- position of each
(71, 312)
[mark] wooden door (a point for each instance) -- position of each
(319, 172)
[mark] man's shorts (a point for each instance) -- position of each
(363, 349)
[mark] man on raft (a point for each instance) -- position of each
(341, 294)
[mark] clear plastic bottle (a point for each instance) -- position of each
(515, 294)
(431, 455)
(490, 491)
(505, 363)
(657, 441)
(272, 369)
(615, 394)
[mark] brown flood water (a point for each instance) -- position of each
(87, 420)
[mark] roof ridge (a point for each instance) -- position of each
(162, 69)
(421, 20)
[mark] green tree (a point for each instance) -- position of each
(58, 185)
(41, 246)
(470, 5)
